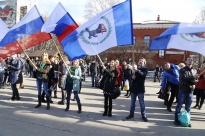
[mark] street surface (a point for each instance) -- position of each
(20, 118)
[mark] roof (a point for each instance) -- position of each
(151, 24)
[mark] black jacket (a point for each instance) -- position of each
(108, 80)
(16, 71)
(138, 83)
(187, 80)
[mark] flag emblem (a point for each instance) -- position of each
(100, 31)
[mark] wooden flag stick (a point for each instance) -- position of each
(61, 56)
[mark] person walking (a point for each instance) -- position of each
(73, 83)
(138, 89)
(94, 68)
(188, 79)
(156, 74)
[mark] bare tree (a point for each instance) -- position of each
(200, 19)
(94, 7)
(142, 50)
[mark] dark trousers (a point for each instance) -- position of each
(174, 90)
(107, 103)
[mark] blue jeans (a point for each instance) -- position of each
(94, 79)
(39, 83)
(69, 88)
(183, 96)
(141, 101)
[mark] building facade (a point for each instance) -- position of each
(143, 33)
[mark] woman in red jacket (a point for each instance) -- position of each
(119, 76)
(200, 88)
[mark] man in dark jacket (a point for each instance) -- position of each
(94, 68)
(16, 76)
(187, 77)
(138, 89)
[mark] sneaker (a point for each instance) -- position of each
(129, 117)
(145, 118)
(176, 122)
(169, 109)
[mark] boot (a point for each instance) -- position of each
(17, 96)
(55, 94)
(50, 97)
(126, 93)
(158, 92)
(39, 102)
(110, 111)
(48, 102)
(105, 110)
(67, 106)
(79, 109)
(43, 97)
(13, 96)
(62, 102)
(201, 104)
(197, 102)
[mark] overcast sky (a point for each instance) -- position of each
(174, 10)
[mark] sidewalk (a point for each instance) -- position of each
(22, 119)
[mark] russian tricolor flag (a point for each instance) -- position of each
(24, 34)
(59, 23)
(4, 30)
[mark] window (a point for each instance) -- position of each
(161, 53)
(134, 39)
(146, 40)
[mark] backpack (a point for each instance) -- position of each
(92, 67)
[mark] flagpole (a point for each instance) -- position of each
(133, 55)
(97, 54)
(26, 54)
(61, 56)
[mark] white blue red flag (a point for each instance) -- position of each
(59, 23)
(25, 34)
(183, 36)
(112, 27)
(4, 29)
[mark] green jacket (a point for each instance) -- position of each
(42, 70)
(76, 77)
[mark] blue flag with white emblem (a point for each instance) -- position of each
(183, 36)
(112, 27)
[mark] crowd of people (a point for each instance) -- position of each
(178, 82)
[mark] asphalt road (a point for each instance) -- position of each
(20, 118)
